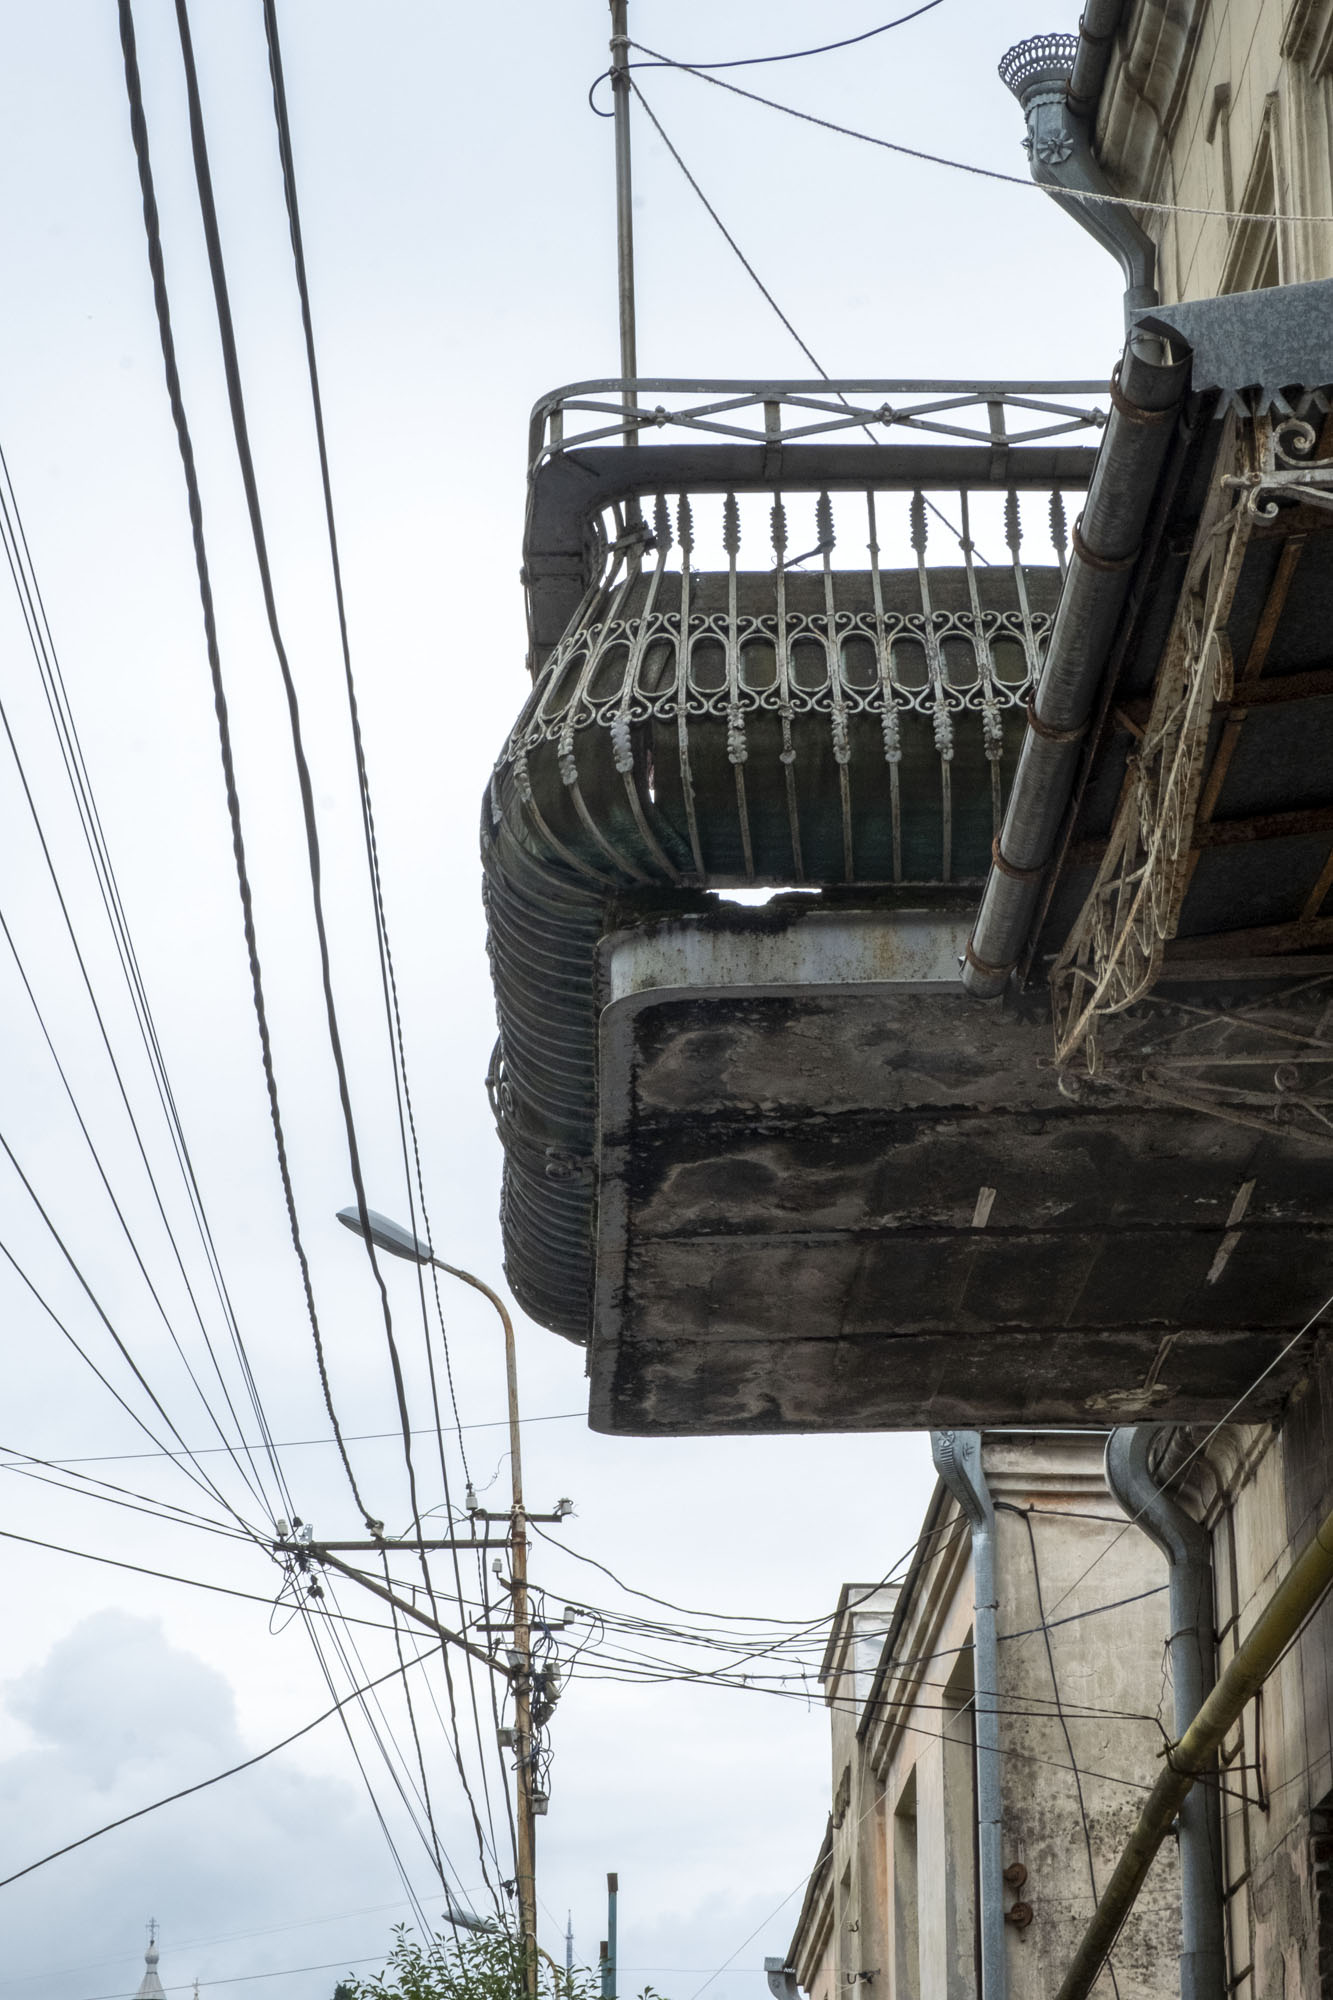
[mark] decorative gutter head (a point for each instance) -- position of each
(1038, 72)
(1059, 146)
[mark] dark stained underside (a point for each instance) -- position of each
(846, 1210)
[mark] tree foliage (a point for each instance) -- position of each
(468, 1965)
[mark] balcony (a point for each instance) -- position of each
(782, 637)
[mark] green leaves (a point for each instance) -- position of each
(467, 1965)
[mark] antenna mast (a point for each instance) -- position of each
(620, 89)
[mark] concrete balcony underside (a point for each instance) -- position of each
(835, 1194)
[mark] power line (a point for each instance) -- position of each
(246, 1472)
(298, 1444)
(162, 306)
(1025, 1514)
(1205, 1441)
(789, 55)
(121, 1496)
(165, 1576)
(967, 167)
(407, 1128)
(32, 607)
(199, 1476)
(233, 1770)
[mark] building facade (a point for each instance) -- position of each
(893, 1903)
(1219, 109)
(1220, 112)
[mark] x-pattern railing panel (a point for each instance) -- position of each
(921, 407)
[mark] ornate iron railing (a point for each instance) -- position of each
(776, 414)
(710, 723)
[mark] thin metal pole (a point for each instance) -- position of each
(612, 1890)
(620, 88)
(526, 1830)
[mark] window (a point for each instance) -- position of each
(906, 1916)
(962, 1933)
(1321, 1893)
(1254, 258)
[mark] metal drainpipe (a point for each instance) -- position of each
(1303, 1588)
(957, 1456)
(1108, 536)
(1188, 1551)
(1040, 72)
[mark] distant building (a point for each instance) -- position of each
(893, 1903)
(150, 1986)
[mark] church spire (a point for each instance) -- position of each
(151, 1986)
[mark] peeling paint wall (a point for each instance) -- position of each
(1264, 1489)
(902, 1870)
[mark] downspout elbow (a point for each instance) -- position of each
(1187, 1546)
(1059, 147)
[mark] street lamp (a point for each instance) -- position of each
(396, 1241)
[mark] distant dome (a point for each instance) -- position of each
(150, 1987)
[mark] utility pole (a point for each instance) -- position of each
(611, 1973)
(399, 1242)
(526, 1862)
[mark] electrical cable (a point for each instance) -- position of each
(298, 1444)
(245, 1471)
(748, 267)
(1205, 1441)
(751, 62)
(113, 1957)
(383, 1824)
(801, 1624)
(166, 1576)
(121, 1496)
(421, 1758)
(386, 1741)
(198, 1475)
(249, 481)
(32, 607)
(388, 979)
(188, 1791)
(1025, 1515)
(966, 167)
(152, 227)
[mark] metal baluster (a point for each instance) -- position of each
(566, 757)
(685, 530)
(737, 750)
(787, 755)
(893, 749)
(842, 748)
(1014, 536)
(622, 742)
(1059, 530)
(943, 721)
(992, 735)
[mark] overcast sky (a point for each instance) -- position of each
(459, 232)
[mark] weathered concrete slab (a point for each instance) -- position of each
(831, 1200)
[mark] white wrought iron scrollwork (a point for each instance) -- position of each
(1113, 953)
(674, 646)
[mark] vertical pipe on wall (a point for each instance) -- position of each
(1188, 1550)
(957, 1456)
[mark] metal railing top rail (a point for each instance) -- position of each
(921, 406)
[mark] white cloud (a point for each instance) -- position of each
(118, 1717)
